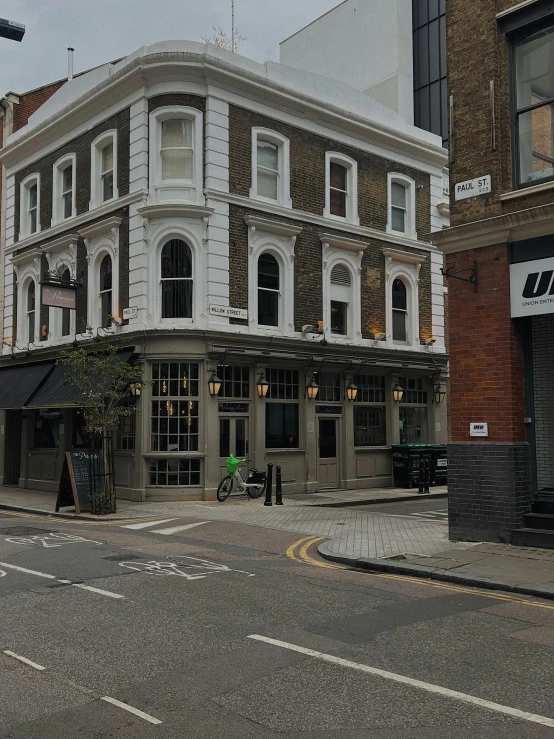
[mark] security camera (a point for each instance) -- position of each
(431, 341)
(308, 328)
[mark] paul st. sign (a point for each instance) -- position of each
(532, 287)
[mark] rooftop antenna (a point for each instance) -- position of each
(70, 51)
(233, 40)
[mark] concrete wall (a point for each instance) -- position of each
(365, 43)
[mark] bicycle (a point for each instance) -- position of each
(253, 487)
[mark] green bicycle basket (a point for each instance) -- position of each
(233, 464)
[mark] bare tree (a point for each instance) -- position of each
(220, 39)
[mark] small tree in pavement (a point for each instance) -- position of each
(103, 381)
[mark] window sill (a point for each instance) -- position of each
(349, 220)
(94, 204)
(284, 202)
(525, 191)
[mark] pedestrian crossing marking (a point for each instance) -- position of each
(147, 524)
(178, 529)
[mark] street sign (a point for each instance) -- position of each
(472, 188)
(129, 313)
(227, 312)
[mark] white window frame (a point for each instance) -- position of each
(283, 182)
(405, 267)
(25, 277)
(59, 166)
(351, 166)
(185, 190)
(410, 186)
(59, 262)
(24, 205)
(99, 143)
(99, 245)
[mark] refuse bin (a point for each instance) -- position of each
(406, 462)
(439, 467)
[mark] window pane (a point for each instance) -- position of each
(399, 326)
(267, 184)
(33, 221)
(107, 186)
(224, 437)
(535, 68)
(338, 176)
(176, 260)
(413, 426)
(33, 192)
(268, 308)
(398, 218)
(536, 149)
(47, 428)
(398, 194)
(268, 155)
(283, 384)
(337, 202)
(176, 133)
(241, 443)
(107, 158)
(399, 295)
(281, 425)
(67, 201)
(106, 274)
(67, 178)
(268, 272)
(177, 298)
(31, 296)
(177, 164)
(370, 428)
(327, 438)
(339, 312)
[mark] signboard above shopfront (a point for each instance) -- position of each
(532, 287)
(58, 297)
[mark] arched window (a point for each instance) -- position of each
(268, 290)
(177, 282)
(66, 312)
(399, 311)
(105, 295)
(341, 284)
(31, 312)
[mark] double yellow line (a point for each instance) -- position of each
(299, 553)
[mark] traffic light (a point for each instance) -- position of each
(11, 29)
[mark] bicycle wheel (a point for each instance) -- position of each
(257, 491)
(225, 488)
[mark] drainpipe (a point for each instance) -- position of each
(6, 113)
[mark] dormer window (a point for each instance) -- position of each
(64, 190)
(270, 167)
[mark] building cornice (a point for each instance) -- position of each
(403, 256)
(341, 242)
(510, 227)
(304, 216)
(251, 80)
(174, 210)
(75, 225)
(258, 223)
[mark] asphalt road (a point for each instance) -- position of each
(108, 631)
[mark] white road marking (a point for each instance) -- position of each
(24, 660)
(108, 593)
(136, 711)
(63, 582)
(403, 680)
(147, 524)
(177, 529)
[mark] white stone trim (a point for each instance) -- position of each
(263, 239)
(108, 137)
(59, 259)
(283, 183)
(59, 166)
(101, 239)
(396, 266)
(333, 255)
(410, 186)
(351, 166)
(189, 191)
(217, 143)
(27, 273)
(24, 187)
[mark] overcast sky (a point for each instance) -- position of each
(102, 30)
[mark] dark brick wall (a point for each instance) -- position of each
(489, 490)
(81, 147)
(307, 171)
(308, 271)
(191, 101)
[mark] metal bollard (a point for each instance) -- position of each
(269, 485)
(427, 474)
(421, 486)
(278, 486)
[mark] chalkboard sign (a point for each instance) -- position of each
(81, 465)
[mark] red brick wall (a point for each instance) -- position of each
(30, 102)
(486, 356)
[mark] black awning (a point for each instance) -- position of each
(18, 384)
(55, 394)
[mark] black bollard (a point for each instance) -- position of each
(269, 485)
(421, 486)
(427, 474)
(278, 486)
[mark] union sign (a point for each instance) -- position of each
(532, 287)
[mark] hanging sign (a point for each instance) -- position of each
(59, 297)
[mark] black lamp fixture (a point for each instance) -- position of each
(397, 392)
(262, 386)
(312, 389)
(136, 389)
(439, 394)
(214, 385)
(351, 390)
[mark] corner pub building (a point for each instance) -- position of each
(223, 217)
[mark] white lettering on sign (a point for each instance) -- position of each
(478, 429)
(59, 297)
(472, 188)
(129, 313)
(227, 312)
(311, 427)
